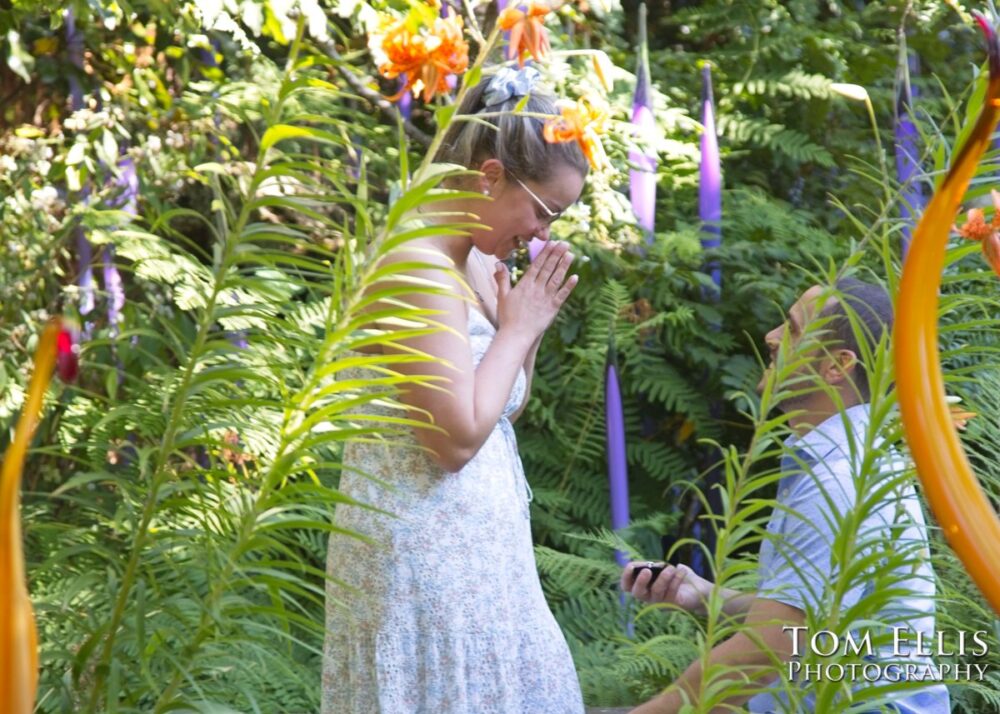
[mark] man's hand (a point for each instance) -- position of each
(676, 585)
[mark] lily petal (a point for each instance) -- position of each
(991, 251)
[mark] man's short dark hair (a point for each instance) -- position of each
(872, 308)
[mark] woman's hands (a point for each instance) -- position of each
(532, 304)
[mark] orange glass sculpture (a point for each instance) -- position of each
(18, 636)
(963, 510)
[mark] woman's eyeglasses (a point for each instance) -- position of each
(550, 215)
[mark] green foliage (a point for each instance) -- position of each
(795, 147)
(177, 565)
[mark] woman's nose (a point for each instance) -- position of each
(542, 232)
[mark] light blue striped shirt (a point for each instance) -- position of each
(797, 563)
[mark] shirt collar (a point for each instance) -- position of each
(827, 437)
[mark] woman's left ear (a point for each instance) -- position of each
(492, 172)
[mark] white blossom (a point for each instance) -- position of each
(20, 145)
(79, 120)
(13, 206)
(46, 199)
(175, 140)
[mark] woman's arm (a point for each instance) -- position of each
(529, 371)
(465, 403)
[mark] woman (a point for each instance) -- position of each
(443, 611)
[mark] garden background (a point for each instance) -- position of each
(206, 185)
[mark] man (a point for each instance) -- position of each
(799, 558)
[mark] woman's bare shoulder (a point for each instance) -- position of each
(426, 265)
(419, 250)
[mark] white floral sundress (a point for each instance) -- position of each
(448, 616)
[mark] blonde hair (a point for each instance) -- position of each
(513, 139)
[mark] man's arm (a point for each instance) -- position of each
(736, 604)
(752, 654)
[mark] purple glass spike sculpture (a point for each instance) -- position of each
(85, 279)
(710, 174)
(127, 199)
(84, 251)
(614, 420)
(74, 50)
(405, 101)
(642, 177)
(710, 213)
(535, 246)
(907, 145)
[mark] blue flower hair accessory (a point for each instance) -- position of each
(507, 83)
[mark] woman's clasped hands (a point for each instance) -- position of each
(533, 303)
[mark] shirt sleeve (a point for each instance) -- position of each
(797, 560)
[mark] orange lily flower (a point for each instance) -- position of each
(960, 417)
(528, 35)
(976, 228)
(426, 55)
(18, 635)
(584, 123)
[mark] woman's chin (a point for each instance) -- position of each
(499, 254)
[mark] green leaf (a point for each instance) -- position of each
(473, 76)
(284, 132)
(443, 115)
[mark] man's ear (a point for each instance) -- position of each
(492, 171)
(839, 366)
